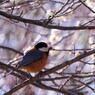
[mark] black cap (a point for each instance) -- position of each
(41, 45)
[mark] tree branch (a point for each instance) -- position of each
(56, 89)
(11, 49)
(42, 23)
(49, 71)
(23, 75)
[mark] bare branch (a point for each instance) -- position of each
(42, 24)
(11, 49)
(87, 6)
(49, 71)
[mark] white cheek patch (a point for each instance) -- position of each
(44, 49)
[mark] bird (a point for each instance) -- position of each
(35, 58)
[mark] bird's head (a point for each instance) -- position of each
(42, 46)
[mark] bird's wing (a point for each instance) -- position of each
(30, 57)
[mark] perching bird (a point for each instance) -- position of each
(35, 59)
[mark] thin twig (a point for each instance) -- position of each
(11, 49)
(86, 85)
(86, 6)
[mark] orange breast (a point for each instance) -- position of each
(37, 66)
